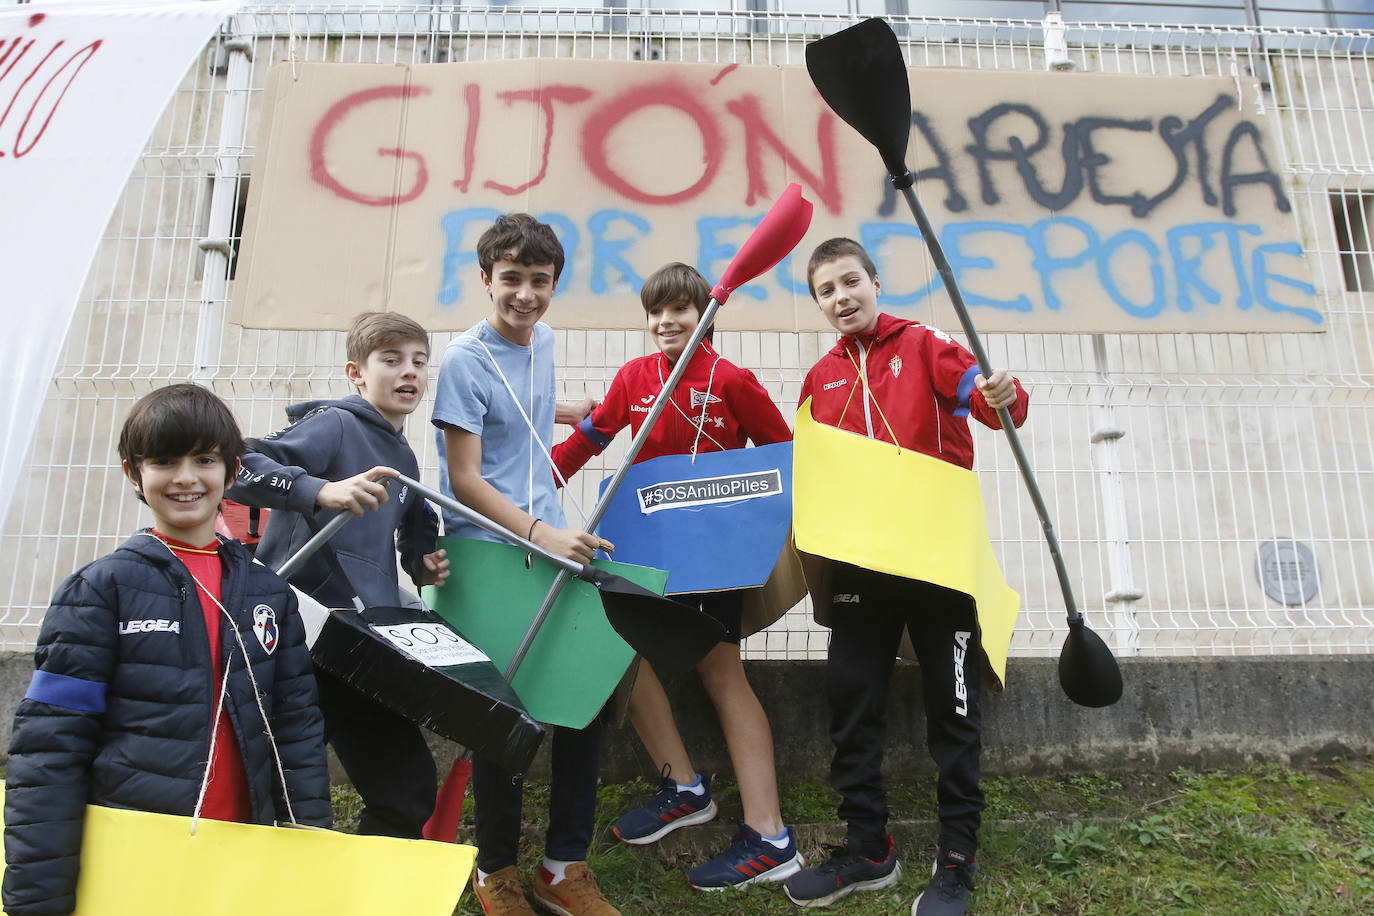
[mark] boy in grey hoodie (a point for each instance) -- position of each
(331, 458)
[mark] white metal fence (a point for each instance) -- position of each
(1229, 440)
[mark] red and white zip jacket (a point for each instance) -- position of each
(920, 388)
(716, 406)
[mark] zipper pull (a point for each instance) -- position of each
(181, 589)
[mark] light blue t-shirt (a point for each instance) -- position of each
(472, 396)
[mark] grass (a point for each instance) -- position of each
(1267, 840)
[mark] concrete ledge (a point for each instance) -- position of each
(1198, 712)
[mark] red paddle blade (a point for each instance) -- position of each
(442, 825)
(781, 229)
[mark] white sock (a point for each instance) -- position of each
(556, 868)
(695, 788)
(482, 877)
(780, 841)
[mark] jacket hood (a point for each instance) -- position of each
(888, 325)
(355, 404)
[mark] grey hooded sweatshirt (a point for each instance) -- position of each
(329, 441)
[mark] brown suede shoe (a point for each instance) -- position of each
(576, 895)
(501, 895)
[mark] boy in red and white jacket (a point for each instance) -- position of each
(716, 406)
(898, 381)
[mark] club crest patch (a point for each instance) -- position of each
(703, 397)
(895, 364)
(265, 627)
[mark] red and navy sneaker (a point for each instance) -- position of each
(843, 873)
(668, 810)
(951, 884)
(750, 858)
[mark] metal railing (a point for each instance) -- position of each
(1168, 460)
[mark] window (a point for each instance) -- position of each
(1353, 212)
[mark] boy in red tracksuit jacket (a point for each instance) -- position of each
(898, 381)
(716, 406)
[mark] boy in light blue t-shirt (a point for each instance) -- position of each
(495, 411)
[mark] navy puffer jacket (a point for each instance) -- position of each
(120, 709)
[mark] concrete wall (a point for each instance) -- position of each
(1195, 712)
(1203, 712)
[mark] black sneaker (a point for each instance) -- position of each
(843, 873)
(951, 883)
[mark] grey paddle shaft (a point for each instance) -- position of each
(976, 345)
(608, 494)
(294, 562)
(481, 521)
(297, 560)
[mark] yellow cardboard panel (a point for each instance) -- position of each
(134, 863)
(929, 524)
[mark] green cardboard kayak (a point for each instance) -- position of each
(576, 660)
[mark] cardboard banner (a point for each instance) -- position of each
(577, 659)
(81, 86)
(927, 521)
(1066, 202)
(228, 869)
(721, 521)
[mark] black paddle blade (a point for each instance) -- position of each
(861, 74)
(671, 635)
(1087, 669)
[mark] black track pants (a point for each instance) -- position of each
(869, 613)
(385, 756)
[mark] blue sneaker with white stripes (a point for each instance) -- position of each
(668, 810)
(750, 858)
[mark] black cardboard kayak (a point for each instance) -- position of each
(412, 661)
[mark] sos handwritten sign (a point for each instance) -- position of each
(1065, 202)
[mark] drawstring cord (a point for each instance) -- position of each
(700, 423)
(868, 392)
(219, 706)
(534, 433)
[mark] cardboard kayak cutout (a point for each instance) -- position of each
(718, 521)
(577, 659)
(929, 524)
(412, 661)
(229, 869)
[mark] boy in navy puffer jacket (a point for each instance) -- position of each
(159, 668)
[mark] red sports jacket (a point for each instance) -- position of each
(919, 379)
(736, 409)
